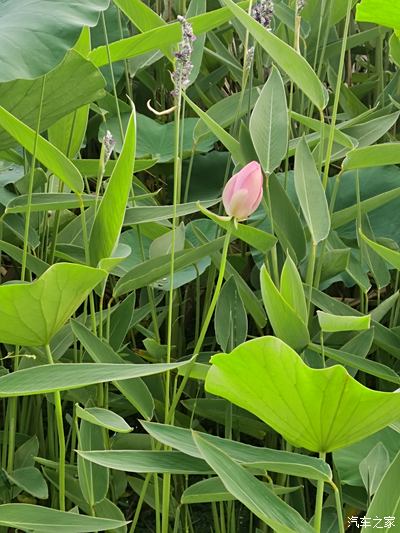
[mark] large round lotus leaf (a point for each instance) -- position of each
(318, 409)
(31, 313)
(36, 34)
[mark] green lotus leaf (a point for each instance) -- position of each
(318, 409)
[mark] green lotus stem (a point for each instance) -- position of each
(61, 439)
(319, 499)
(337, 95)
(204, 328)
(30, 186)
(339, 511)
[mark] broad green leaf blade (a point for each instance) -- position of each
(358, 363)
(331, 323)
(295, 66)
(31, 480)
(35, 38)
(110, 215)
(280, 314)
(41, 201)
(31, 313)
(373, 467)
(287, 224)
(318, 409)
(383, 337)
(258, 239)
(316, 125)
(135, 391)
(386, 501)
(74, 83)
(159, 38)
(42, 519)
(213, 490)
(230, 317)
(342, 217)
(269, 123)
(292, 289)
(155, 213)
(251, 492)
(147, 461)
(93, 479)
(50, 378)
(310, 193)
(46, 153)
(383, 12)
(103, 418)
(141, 15)
(389, 255)
(264, 458)
(372, 156)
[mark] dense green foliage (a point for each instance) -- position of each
(166, 367)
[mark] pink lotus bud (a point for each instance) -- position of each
(243, 192)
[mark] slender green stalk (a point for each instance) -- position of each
(310, 275)
(30, 186)
(319, 500)
(61, 439)
(338, 505)
(206, 323)
(337, 95)
(177, 188)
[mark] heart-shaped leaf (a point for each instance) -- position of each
(31, 313)
(318, 409)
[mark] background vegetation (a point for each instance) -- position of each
(120, 125)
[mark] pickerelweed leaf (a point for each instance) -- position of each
(213, 490)
(386, 500)
(94, 479)
(269, 123)
(103, 418)
(331, 323)
(281, 313)
(49, 378)
(147, 461)
(265, 458)
(310, 193)
(42, 519)
(32, 313)
(135, 391)
(110, 214)
(372, 156)
(318, 409)
(250, 491)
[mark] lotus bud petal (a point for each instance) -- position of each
(243, 192)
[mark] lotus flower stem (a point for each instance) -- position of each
(61, 439)
(204, 328)
(319, 499)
